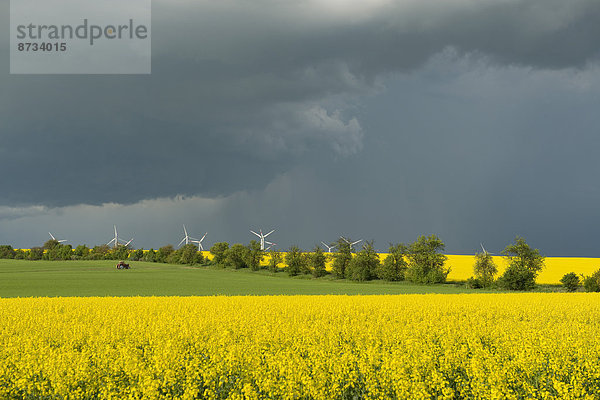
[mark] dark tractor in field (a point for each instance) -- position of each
(122, 265)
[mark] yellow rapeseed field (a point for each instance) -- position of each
(475, 346)
(461, 267)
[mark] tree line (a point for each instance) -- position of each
(52, 250)
(420, 262)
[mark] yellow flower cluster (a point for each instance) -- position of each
(480, 346)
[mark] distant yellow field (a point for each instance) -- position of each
(461, 266)
(555, 267)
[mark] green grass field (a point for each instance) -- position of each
(20, 278)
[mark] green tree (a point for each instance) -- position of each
(35, 253)
(81, 252)
(6, 251)
(218, 250)
(51, 253)
(150, 256)
(592, 283)
(163, 253)
(275, 259)
(50, 244)
(571, 281)
(305, 265)
(58, 251)
(484, 269)
(363, 266)
(317, 261)
(175, 256)
(99, 252)
(137, 255)
(295, 261)
(254, 255)
(237, 256)
(341, 258)
(517, 278)
(394, 267)
(426, 263)
(190, 255)
(524, 265)
(65, 252)
(120, 252)
(521, 254)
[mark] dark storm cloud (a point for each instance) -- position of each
(243, 92)
(470, 151)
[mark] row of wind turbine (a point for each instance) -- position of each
(334, 245)
(116, 241)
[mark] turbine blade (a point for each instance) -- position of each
(204, 236)
(255, 233)
(270, 233)
(182, 240)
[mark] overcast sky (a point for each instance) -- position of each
(379, 120)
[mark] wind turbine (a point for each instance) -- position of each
(199, 242)
(186, 238)
(53, 238)
(329, 248)
(262, 238)
(485, 251)
(271, 244)
(350, 243)
(116, 241)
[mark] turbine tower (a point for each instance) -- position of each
(262, 238)
(116, 241)
(329, 248)
(350, 243)
(53, 238)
